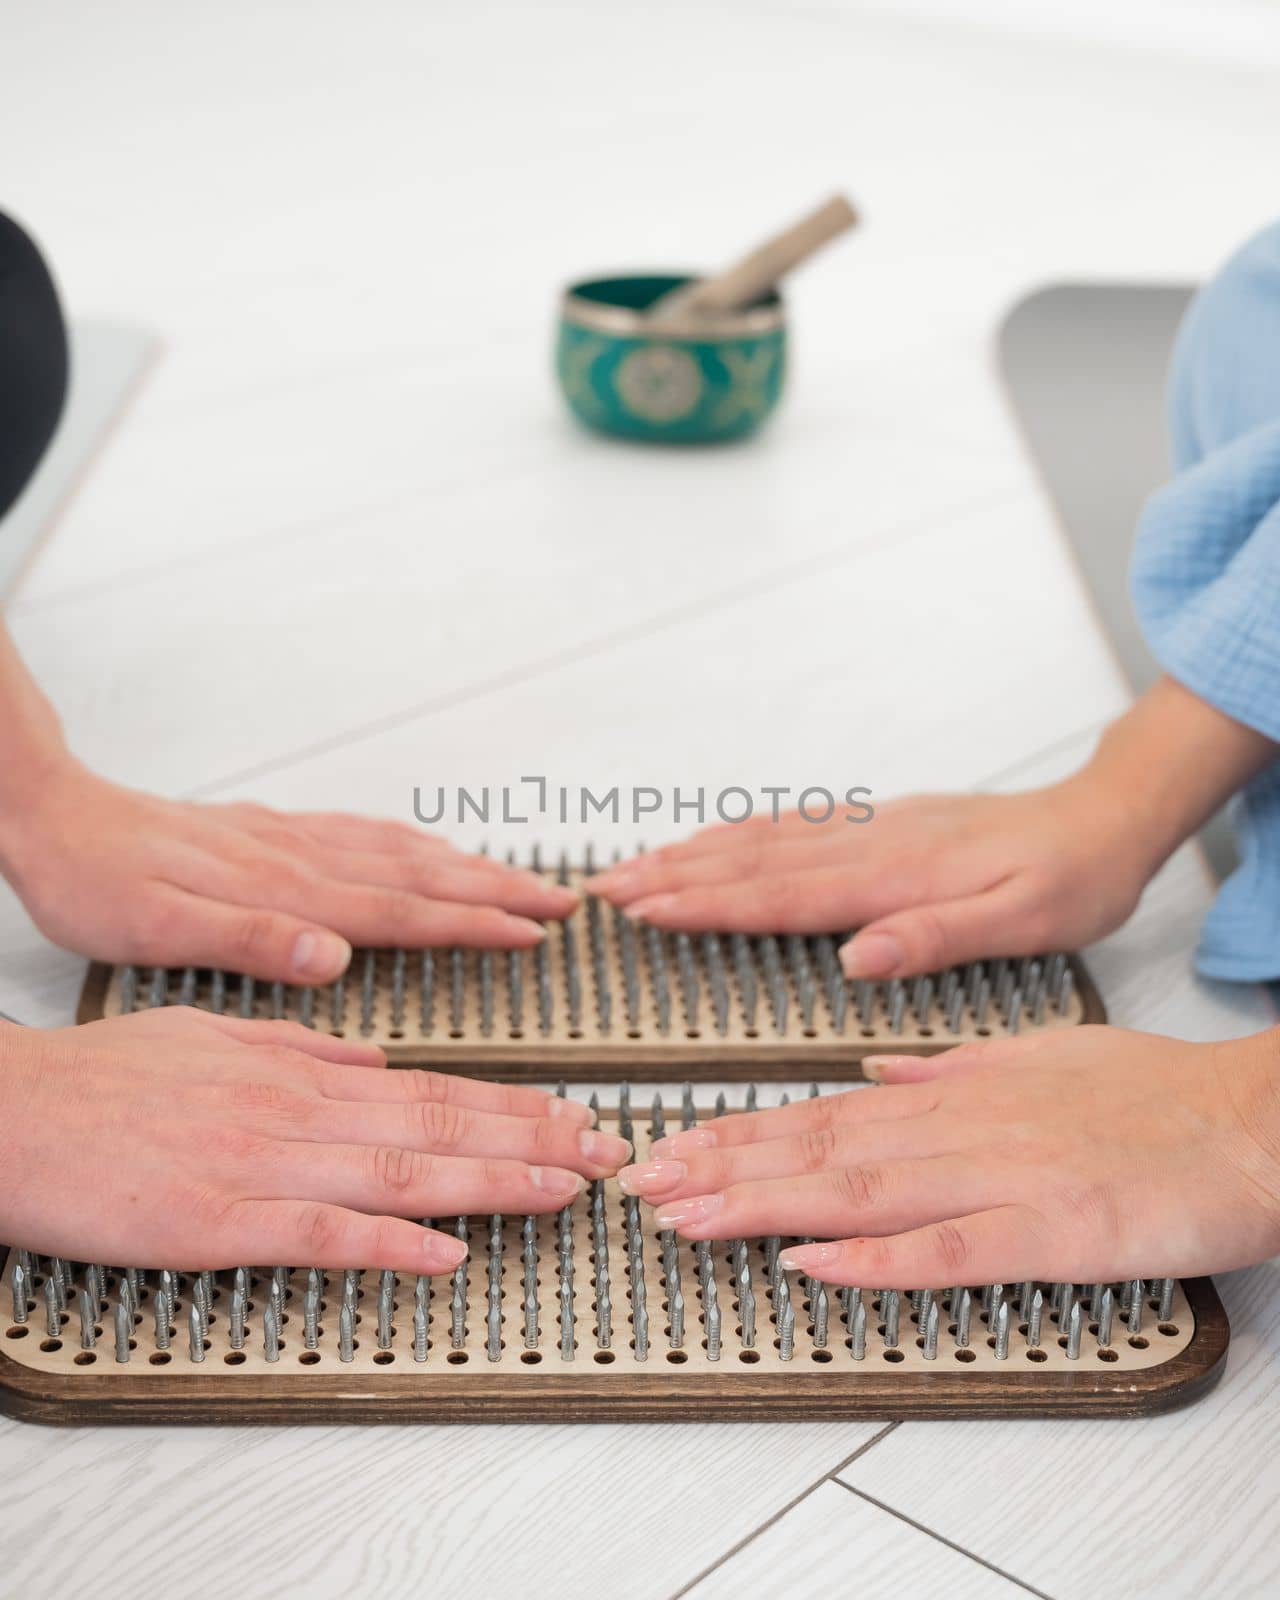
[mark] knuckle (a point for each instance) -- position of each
(396, 1170)
(252, 936)
(432, 1086)
(1093, 1206)
(264, 1095)
(859, 1188)
(444, 1127)
(817, 1148)
(929, 937)
(953, 1249)
(545, 1136)
(319, 1230)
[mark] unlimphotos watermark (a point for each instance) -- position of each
(536, 797)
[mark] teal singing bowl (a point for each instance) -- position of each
(691, 380)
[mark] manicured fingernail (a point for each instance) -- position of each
(810, 1257)
(691, 1213)
(676, 1144)
(871, 955)
(873, 1066)
(443, 1253)
(320, 955)
(603, 1149)
(653, 1177)
(556, 1107)
(557, 1181)
(651, 905)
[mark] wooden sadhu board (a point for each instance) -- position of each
(604, 995)
(533, 1350)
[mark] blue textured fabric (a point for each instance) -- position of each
(1205, 578)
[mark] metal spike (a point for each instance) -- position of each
(457, 990)
(542, 982)
(1105, 1318)
(676, 1303)
(18, 1286)
(277, 1001)
(1095, 1301)
(930, 1332)
(599, 964)
(688, 1112)
(963, 1317)
(159, 993)
(236, 1316)
(346, 1333)
(53, 1315)
(659, 982)
(722, 1104)
(427, 993)
(744, 973)
(746, 1306)
(834, 985)
(775, 981)
(1035, 1316)
(271, 1332)
(659, 1123)
(717, 981)
(1062, 1000)
(419, 1331)
(1165, 1309)
(386, 1304)
(1135, 1308)
(338, 1003)
(624, 931)
(399, 962)
(484, 960)
(1014, 1016)
(1002, 1332)
(821, 1312)
(752, 1100)
(129, 990)
(123, 1318)
(639, 1309)
(1074, 1324)
(786, 1327)
(890, 1311)
(713, 1326)
(195, 1333)
(88, 1308)
(858, 1331)
(248, 996)
(1024, 1300)
(897, 1005)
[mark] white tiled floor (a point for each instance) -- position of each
(346, 543)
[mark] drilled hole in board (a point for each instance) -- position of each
(1037, 1355)
(1107, 1355)
(457, 1358)
(86, 1358)
(677, 1358)
(16, 1333)
(1169, 1329)
(748, 1357)
(926, 1033)
(894, 1355)
(604, 1357)
(1138, 1342)
(50, 1345)
(234, 1358)
(308, 1358)
(965, 1355)
(384, 1358)
(820, 1355)
(531, 1358)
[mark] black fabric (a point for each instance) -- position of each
(33, 360)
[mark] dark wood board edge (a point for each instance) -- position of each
(644, 1063)
(812, 1395)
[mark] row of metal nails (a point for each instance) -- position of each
(1074, 1308)
(684, 971)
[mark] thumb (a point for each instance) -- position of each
(944, 1063)
(932, 936)
(192, 931)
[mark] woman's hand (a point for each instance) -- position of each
(176, 1138)
(1088, 1156)
(124, 877)
(943, 879)
(932, 881)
